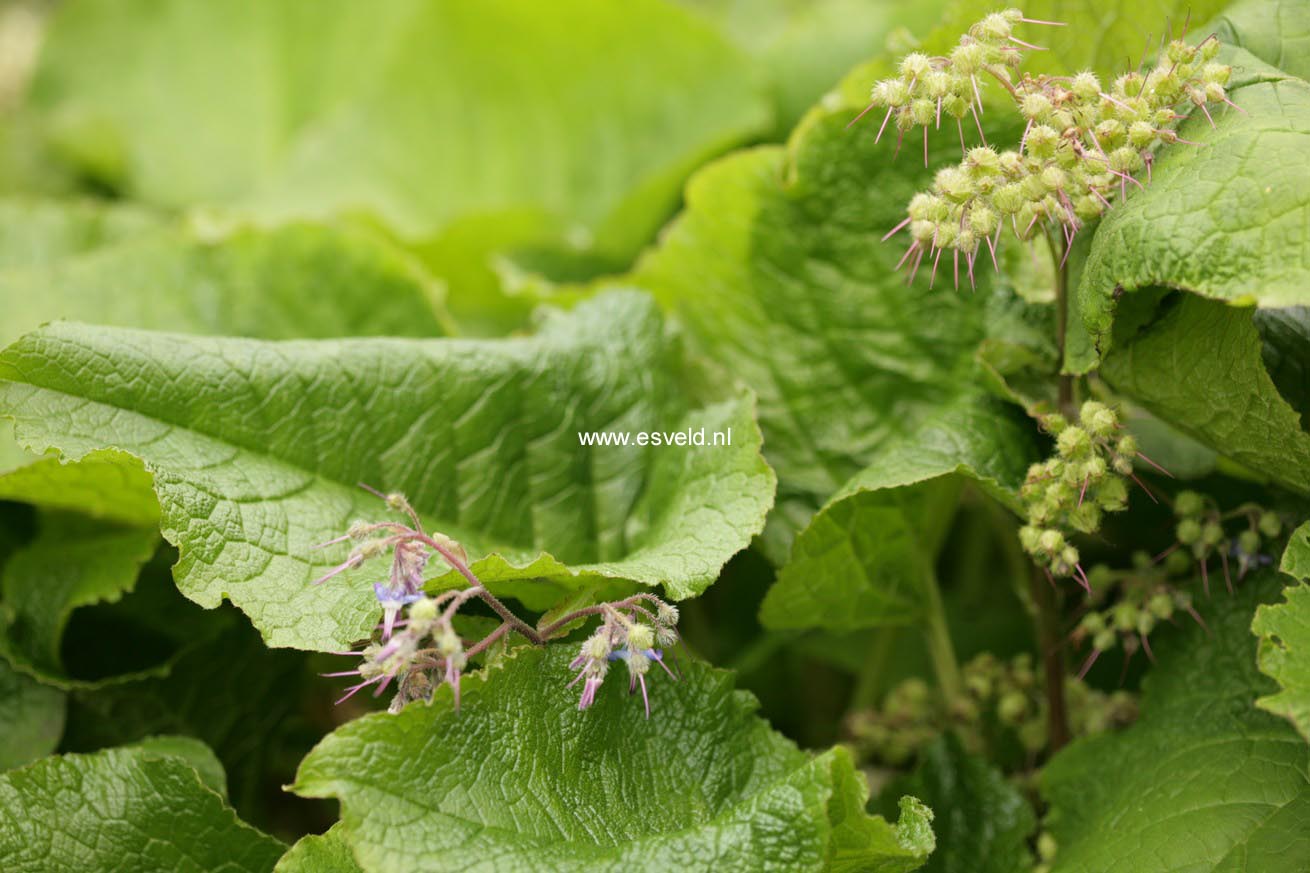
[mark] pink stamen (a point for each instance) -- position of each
(1143, 487)
(911, 250)
(1155, 465)
(1207, 115)
(863, 112)
(898, 227)
(1027, 45)
(933, 279)
(1087, 664)
(1039, 21)
(883, 126)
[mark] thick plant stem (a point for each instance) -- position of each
(1051, 645)
(938, 636)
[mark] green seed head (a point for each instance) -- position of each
(1073, 442)
(968, 58)
(1188, 531)
(1249, 542)
(1270, 524)
(915, 65)
(1188, 503)
(1085, 86)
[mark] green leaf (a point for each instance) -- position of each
(1198, 366)
(125, 809)
(1203, 781)
(320, 853)
(1225, 219)
(803, 49)
(73, 562)
(482, 436)
(31, 718)
(582, 112)
(1296, 556)
(1275, 31)
(1283, 630)
(108, 265)
(702, 784)
(777, 271)
(1284, 655)
(982, 820)
(197, 754)
(866, 559)
(105, 485)
(245, 702)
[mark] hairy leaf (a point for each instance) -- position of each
(31, 718)
(1204, 781)
(1199, 367)
(583, 115)
(982, 820)
(141, 808)
(1275, 31)
(867, 557)
(320, 853)
(104, 485)
(108, 266)
(703, 783)
(256, 450)
(803, 49)
(73, 562)
(1284, 633)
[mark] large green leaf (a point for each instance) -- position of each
(803, 47)
(31, 718)
(104, 485)
(1275, 31)
(256, 449)
(583, 113)
(867, 557)
(110, 265)
(777, 271)
(1198, 366)
(144, 809)
(1204, 781)
(519, 779)
(73, 562)
(1284, 633)
(320, 853)
(981, 819)
(1226, 219)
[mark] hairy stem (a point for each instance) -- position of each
(1051, 644)
(938, 636)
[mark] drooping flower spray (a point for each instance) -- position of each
(418, 647)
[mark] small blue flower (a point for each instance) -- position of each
(393, 600)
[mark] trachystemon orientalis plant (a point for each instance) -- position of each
(417, 645)
(1084, 142)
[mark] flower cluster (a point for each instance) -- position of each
(1204, 532)
(1083, 139)
(1128, 604)
(1001, 702)
(1072, 490)
(418, 647)
(624, 636)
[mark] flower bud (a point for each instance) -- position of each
(1073, 442)
(915, 65)
(1211, 533)
(1141, 134)
(640, 637)
(1188, 503)
(1188, 531)
(968, 58)
(1051, 541)
(1112, 495)
(1041, 141)
(1085, 86)
(1104, 641)
(666, 614)
(922, 111)
(1161, 605)
(1270, 524)
(890, 92)
(982, 220)
(1249, 542)
(1209, 49)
